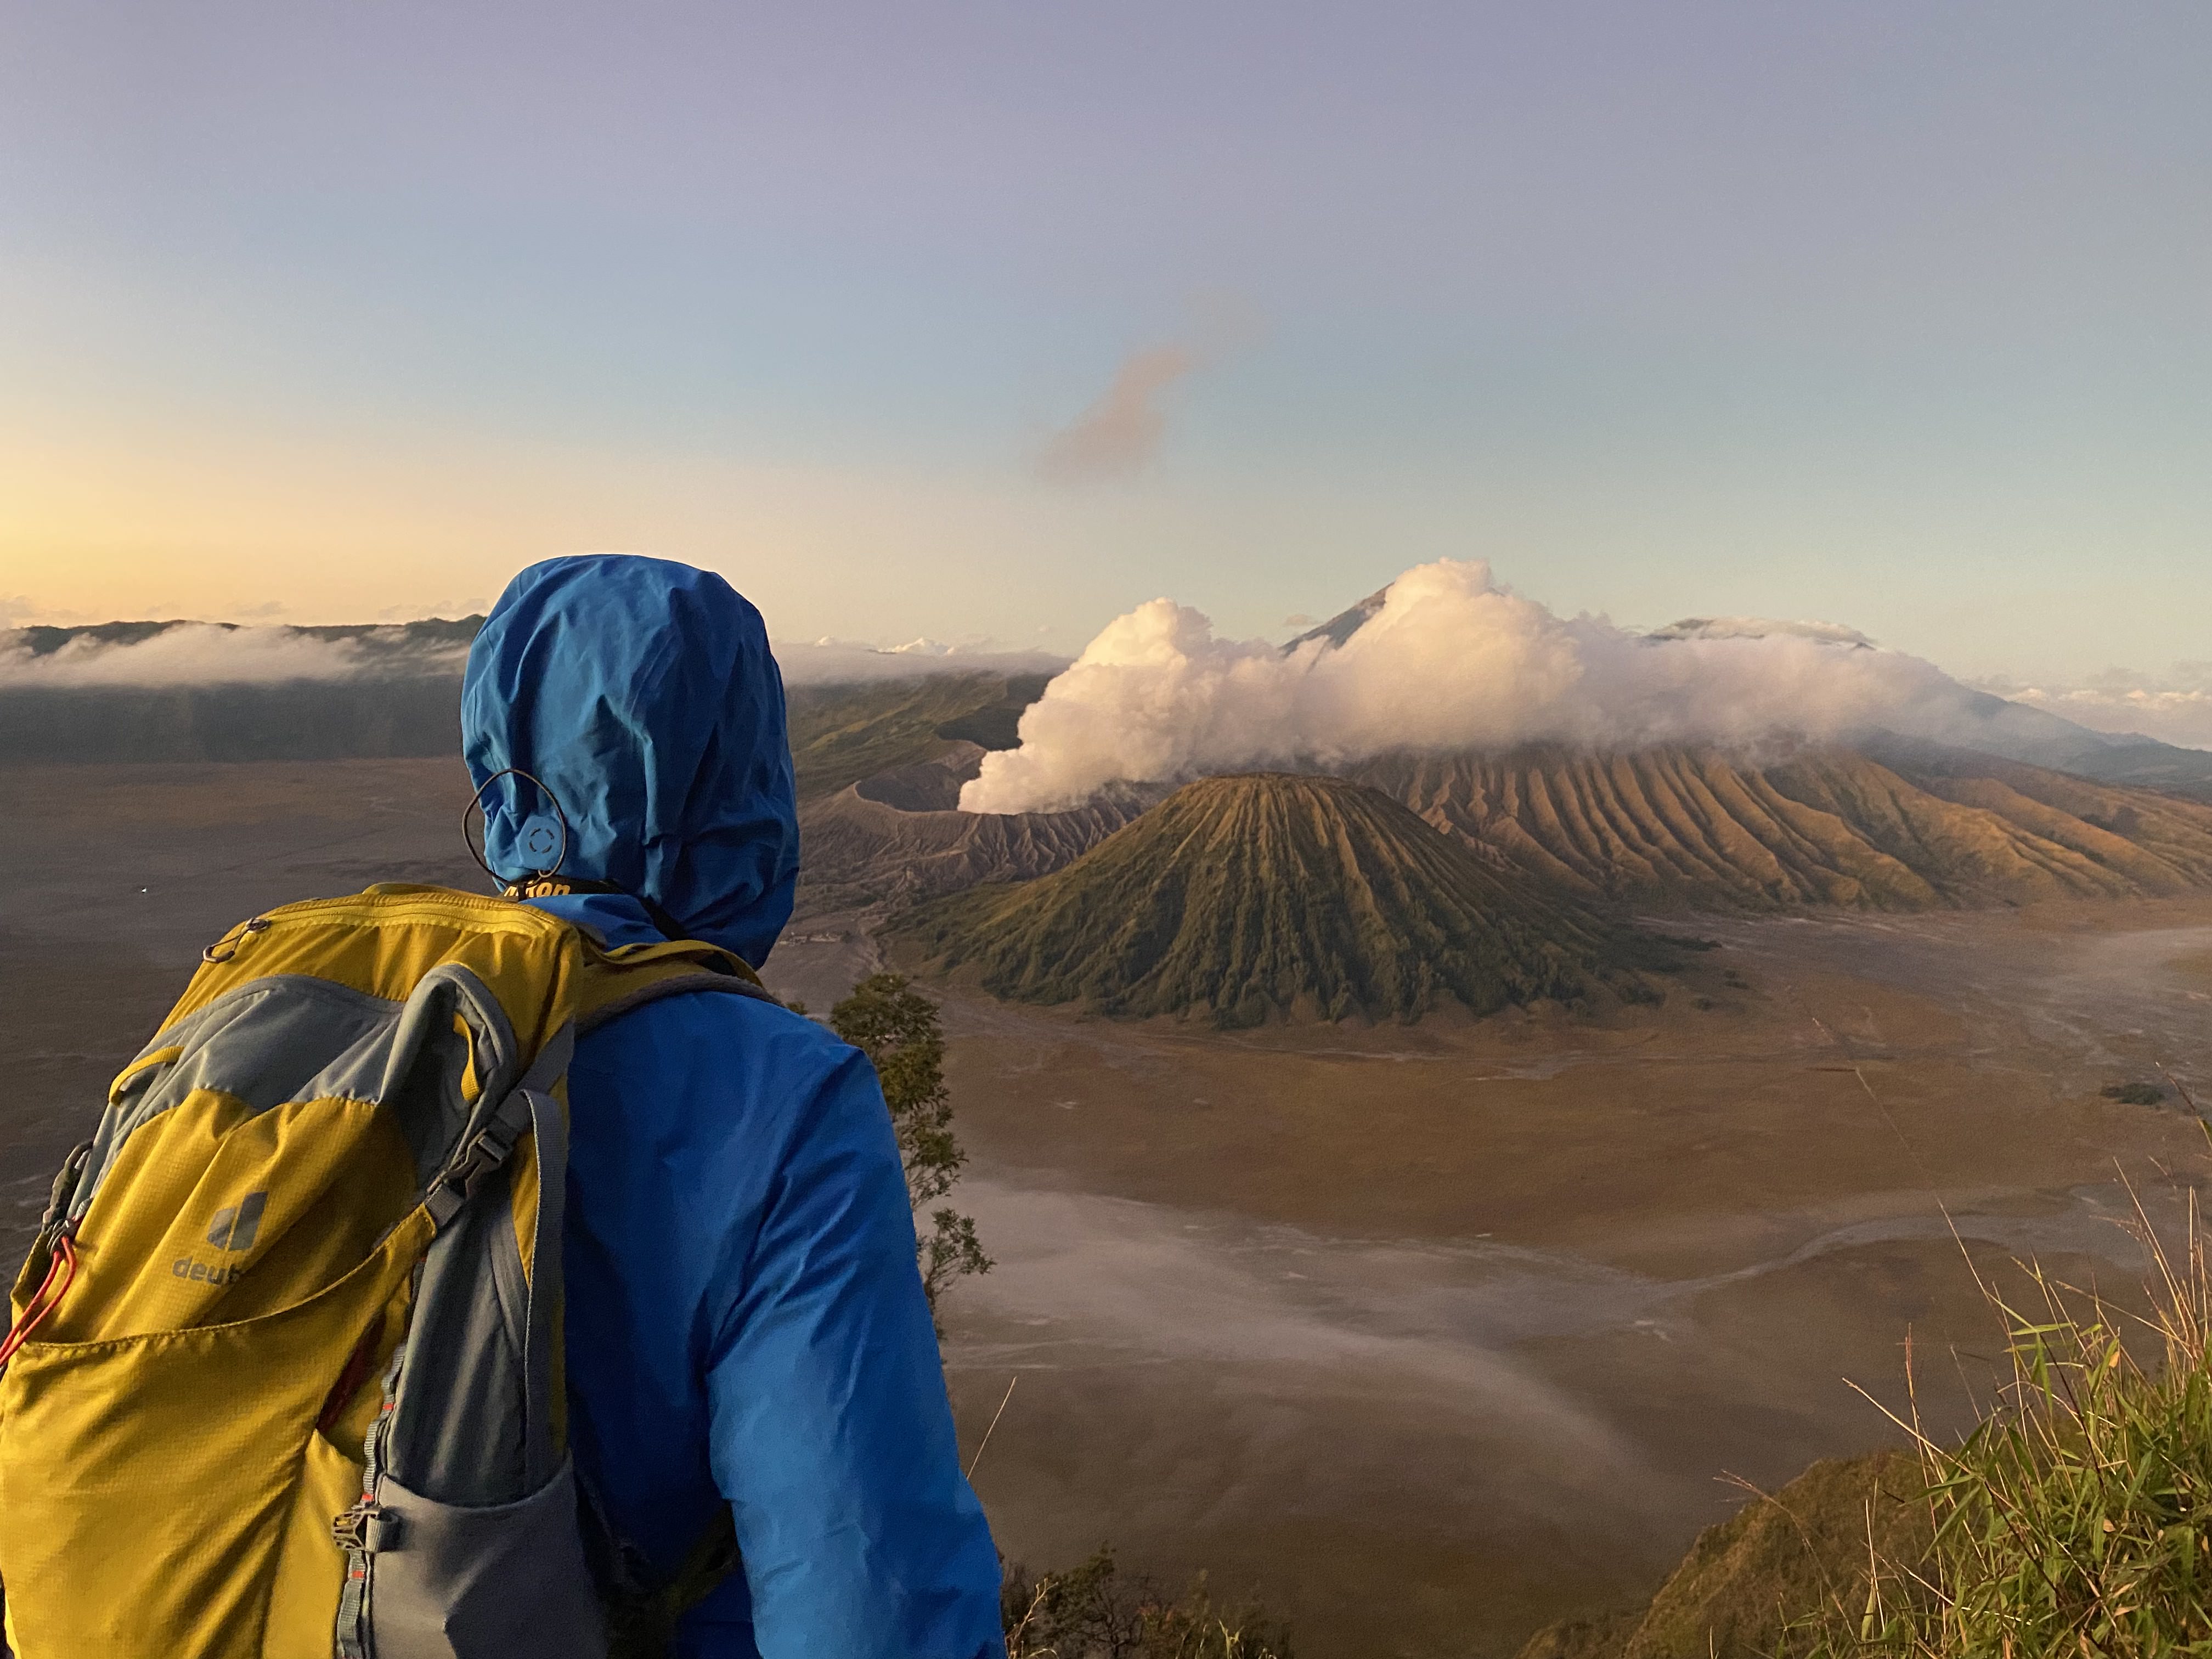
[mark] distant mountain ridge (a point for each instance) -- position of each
(395, 692)
(1898, 826)
(1961, 716)
(404, 703)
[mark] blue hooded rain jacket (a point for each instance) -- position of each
(746, 1324)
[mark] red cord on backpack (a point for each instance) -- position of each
(58, 1280)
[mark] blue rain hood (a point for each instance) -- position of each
(644, 695)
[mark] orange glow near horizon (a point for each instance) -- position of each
(230, 530)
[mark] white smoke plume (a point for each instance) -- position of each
(206, 654)
(1121, 432)
(1118, 435)
(1448, 659)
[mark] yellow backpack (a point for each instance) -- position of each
(285, 1379)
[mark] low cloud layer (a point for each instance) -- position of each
(1448, 659)
(205, 654)
(2176, 707)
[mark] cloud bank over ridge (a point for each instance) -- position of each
(210, 653)
(844, 662)
(1448, 658)
(188, 654)
(2177, 709)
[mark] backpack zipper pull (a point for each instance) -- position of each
(236, 937)
(61, 1273)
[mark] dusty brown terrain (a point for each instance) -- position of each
(1429, 1333)
(1433, 1334)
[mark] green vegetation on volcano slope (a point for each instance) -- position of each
(842, 733)
(1261, 897)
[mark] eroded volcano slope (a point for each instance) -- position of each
(1918, 827)
(1266, 895)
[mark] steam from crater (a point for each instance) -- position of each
(1447, 659)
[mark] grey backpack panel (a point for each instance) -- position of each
(253, 1044)
(483, 1558)
(460, 1431)
(486, 1582)
(473, 1422)
(291, 1037)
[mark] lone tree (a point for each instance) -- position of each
(896, 1028)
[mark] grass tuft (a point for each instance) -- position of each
(2077, 1520)
(1096, 1611)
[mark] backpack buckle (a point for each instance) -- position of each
(367, 1527)
(480, 1159)
(483, 1157)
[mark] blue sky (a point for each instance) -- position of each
(1898, 314)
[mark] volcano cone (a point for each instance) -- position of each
(1268, 895)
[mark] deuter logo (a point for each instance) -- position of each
(236, 1225)
(201, 1273)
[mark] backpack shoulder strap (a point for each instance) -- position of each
(644, 1608)
(624, 978)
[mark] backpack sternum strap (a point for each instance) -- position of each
(481, 1155)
